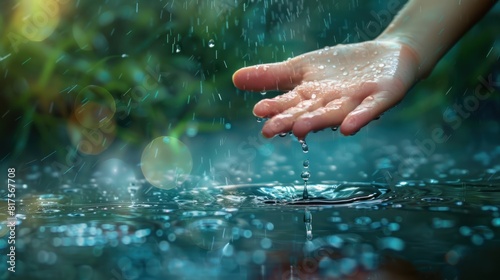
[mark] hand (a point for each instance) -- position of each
(344, 85)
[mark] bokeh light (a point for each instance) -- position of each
(91, 141)
(166, 162)
(35, 20)
(94, 107)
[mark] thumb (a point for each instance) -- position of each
(272, 76)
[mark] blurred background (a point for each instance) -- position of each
(86, 78)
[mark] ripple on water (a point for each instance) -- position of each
(323, 193)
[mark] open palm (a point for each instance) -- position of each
(343, 86)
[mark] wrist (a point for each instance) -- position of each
(415, 51)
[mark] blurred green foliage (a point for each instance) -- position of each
(168, 64)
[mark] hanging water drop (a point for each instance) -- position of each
(263, 93)
(305, 148)
(335, 128)
(283, 134)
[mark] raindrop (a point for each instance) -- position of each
(177, 48)
(211, 43)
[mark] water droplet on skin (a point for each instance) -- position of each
(321, 67)
(211, 43)
(381, 65)
(345, 73)
(335, 53)
(375, 52)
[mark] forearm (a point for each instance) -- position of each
(431, 27)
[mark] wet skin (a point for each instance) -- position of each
(346, 86)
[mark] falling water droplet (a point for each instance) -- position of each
(211, 43)
(124, 55)
(177, 49)
(305, 175)
(258, 119)
(306, 163)
(305, 148)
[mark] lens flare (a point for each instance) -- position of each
(94, 107)
(91, 141)
(166, 162)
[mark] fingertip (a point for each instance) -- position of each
(261, 109)
(349, 126)
(301, 128)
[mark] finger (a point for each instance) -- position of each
(305, 91)
(284, 122)
(371, 108)
(269, 107)
(273, 76)
(330, 115)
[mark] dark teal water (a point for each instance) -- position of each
(436, 218)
